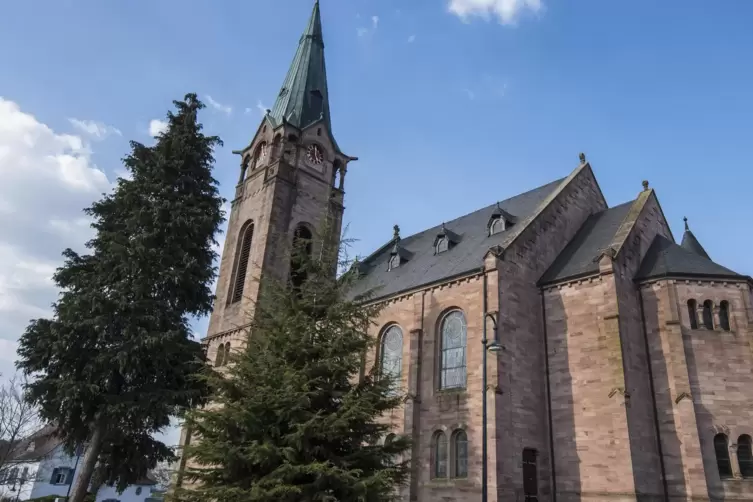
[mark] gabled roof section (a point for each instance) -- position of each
(690, 243)
(426, 267)
(303, 99)
(580, 257)
(666, 259)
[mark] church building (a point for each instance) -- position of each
(619, 364)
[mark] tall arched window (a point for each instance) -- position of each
(724, 315)
(391, 355)
(301, 253)
(453, 341)
(226, 357)
(745, 456)
(708, 314)
(693, 314)
(440, 455)
(260, 156)
(241, 267)
(721, 448)
(219, 359)
(460, 454)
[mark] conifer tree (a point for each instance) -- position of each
(294, 418)
(116, 361)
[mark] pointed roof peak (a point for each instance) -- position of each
(690, 243)
(303, 99)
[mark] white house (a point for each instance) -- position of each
(40, 467)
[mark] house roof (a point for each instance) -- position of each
(466, 254)
(580, 256)
(45, 440)
(666, 258)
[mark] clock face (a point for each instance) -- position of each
(314, 155)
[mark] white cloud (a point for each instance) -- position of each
(96, 130)
(261, 107)
(227, 110)
(157, 127)
(48, 178)
(506, 11)
(362, 31)
(411, 39)
(374, 22)
(470, 93)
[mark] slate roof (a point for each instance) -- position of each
(690, 242)
(45, 440)
(666, 258)
(304, 97)
(424, 267)
(579, 258)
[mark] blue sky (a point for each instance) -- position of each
(449, 104)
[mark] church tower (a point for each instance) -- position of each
(291, 184)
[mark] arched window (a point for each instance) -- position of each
(301, 253)
(260, 156)
(226, 357)
(244, 168)
(693, 314)
(219, 359)
(276, 143)
(440, 455)
(453, 340)
(241, 267)
(460, 454)
(745, 456)
(389, 439)
(721, 448)
(443, 244)
(708, 316)
(391, 355)
(724, 315)
(498, 225)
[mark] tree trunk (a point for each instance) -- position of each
(87, 466)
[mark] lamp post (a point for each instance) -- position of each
(493, 347)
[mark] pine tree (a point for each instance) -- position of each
(293, 417)
(116, 361)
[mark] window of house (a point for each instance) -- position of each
(530, 475)
(138, 490)
(25, 475)
(394, 261)
(708, 314)
(440, 455)
(391, 355)
(721, 448)
(460, 454)
(724, 315)
(453, 342)
(241, 268)
(693, 314)
(745, 456)
(61, 476)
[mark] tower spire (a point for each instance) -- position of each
(304, 97)
(690, 242)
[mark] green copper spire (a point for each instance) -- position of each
(304, 98)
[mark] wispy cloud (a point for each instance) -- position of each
(96, 130)
(411, 39)
(157, 127)
(363, 31)
(486, 88)
(261, 107)
(471, 95)
(227, 110)
(506, 11)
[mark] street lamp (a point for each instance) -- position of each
(494, 347)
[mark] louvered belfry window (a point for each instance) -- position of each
(244, 253)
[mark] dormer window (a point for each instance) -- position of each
(31, 446)
(394, 261)
(443, 244)
(497, 226)
(499, 221)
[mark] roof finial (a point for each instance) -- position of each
(685, 219)
(396, 228)
(582, 157)
(645, 184)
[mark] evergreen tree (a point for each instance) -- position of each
(293, 417)
(116, 361)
